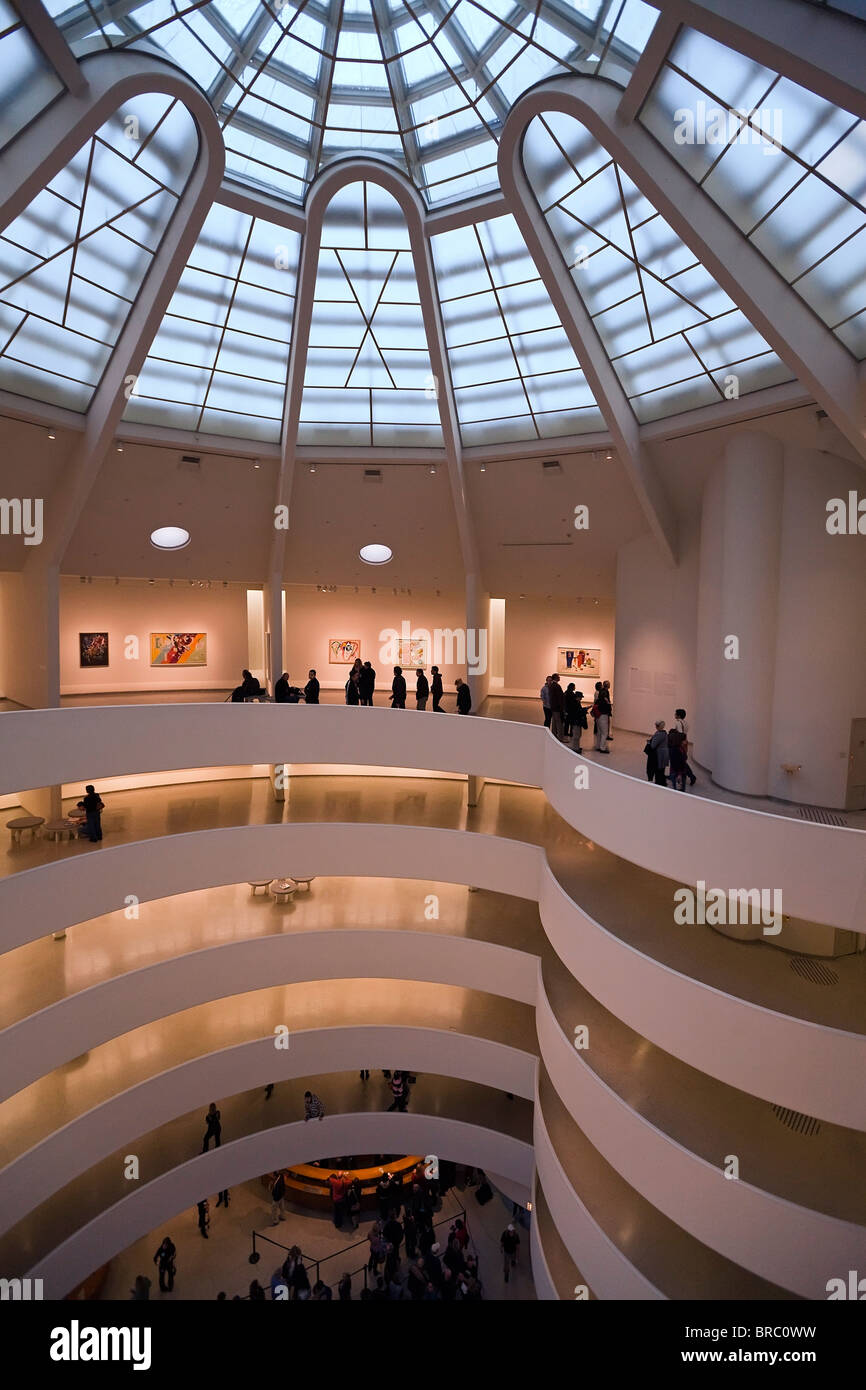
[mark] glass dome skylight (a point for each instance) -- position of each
(296, 83)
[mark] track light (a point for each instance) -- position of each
(312, 468)
(483, 468)
(257, 463)
(433, 468)
(51, 434)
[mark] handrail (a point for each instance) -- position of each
(255, 1256)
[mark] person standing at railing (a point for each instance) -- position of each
(464, 697)
(311, 689)
(601, 714)
(93, 806)
(367, 683)
(422, 689)
(344, 1288)
(313, 1107)
(214, 1128)
(555, 697)
(544, 696)
(338, 1184)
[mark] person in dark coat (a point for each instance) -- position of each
(93, 806)
(422, 689)
(248, 687)
(367, 683)
(436, 689)
(398, 689)
(464, 697)
(353, 695)
(214, 1128)
(579, 721)
(311, 690)
(281, 689)
(203, 1219)
(164, 1260)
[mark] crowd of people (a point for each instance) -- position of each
(360, 689)
(566, 716)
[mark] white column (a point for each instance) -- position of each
(753, 482)
(477, 639)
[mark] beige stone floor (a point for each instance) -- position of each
(175, 1142)
(220, 1262)
(677, 1264)
(628, 901)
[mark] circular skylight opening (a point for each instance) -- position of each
(375, 554)
(169, 538)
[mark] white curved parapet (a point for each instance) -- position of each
(788, 1060)
(820, 870)
(236, 1162)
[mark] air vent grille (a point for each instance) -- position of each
(805, 1125)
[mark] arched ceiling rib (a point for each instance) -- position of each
(782, 162)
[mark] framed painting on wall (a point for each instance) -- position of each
(178, 649)
(412, 653)
(93, 648)
(343, 651)
(579, 661)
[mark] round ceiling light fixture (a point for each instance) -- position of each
(169, 538)
(375, 554)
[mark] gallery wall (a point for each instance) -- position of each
(656, 635)
(312, 618)
(820, 683)
(135, 608)
(536, 627)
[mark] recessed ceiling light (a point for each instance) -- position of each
(169, 538)
(51, 434)
(433, 468)
(312, 468)
(375, 554)
(256, 463)
(608, 456)
(484, 468)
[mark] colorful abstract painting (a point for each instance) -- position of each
(342, 651)
(579, 661)
(178, 649)
(93, 648)
(412, 653)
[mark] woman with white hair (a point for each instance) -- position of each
(657, 755)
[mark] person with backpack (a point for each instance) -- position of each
(278, 1200)
(422, 689)
(398, 689)
(436, 690)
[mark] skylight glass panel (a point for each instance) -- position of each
(786, 165)
(671, 333)
(295, 85)
(368, 378)
(27, 81)
(514, 372)
(73, 262)
(218, 362)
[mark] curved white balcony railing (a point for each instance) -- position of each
(779, 1240)
(233, 1163)
(787, 1060)
(92, 1136)
(676, 837)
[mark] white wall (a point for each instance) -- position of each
(820, 683)
(312, 618)
(535, 627)
(656, 634)
(136, 608)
